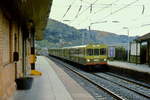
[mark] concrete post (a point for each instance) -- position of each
(32, 46)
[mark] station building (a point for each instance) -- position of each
(140, 50)
(21, 22)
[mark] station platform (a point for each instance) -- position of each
(53, 84)
(131, 66)
(139, 72)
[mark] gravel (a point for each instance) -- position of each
(92, 89)
(130, 85)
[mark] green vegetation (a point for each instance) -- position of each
(58, 34)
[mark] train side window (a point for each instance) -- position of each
(103, 51)
(89, 52)
(84, 50)
(96, 51)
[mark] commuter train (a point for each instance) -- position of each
(91, 54)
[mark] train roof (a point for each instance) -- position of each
(88, 45)
(82, 46)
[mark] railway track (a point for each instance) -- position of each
(100, 86)
(129, 80)
(137, 92)
(116, 96)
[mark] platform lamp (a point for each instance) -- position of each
(100, 22)
(128, 39)
(105, 21)
(89, 27)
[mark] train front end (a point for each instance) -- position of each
(96, 54)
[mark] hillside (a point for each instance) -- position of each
(58, 34)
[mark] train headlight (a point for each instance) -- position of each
(105, 59)
(96, 59)
(88, 60)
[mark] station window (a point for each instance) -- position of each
(96, 51)
(103, 51)
(89, 52)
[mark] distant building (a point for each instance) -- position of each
(140, 50)
(135, 52)
(111, 51)
(21, 21)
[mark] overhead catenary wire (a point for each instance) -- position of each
(107, 6)
(84, 10)
(68, 8)
(91, 8)
(79, 10)
(122, 8)
(114, 12)
(143, 9)
(118, 10)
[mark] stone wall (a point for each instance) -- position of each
(10, 41)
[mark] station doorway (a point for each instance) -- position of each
(144, 53)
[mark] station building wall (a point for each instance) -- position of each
(11, 40)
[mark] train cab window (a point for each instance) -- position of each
(89, 52)
(96, 51)
(103, 51)
(81, 52)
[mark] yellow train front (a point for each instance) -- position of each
(85, 54)
(96, 55)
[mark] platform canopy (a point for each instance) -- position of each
(24, 11)
(144, 37)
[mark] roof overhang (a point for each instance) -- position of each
(25, 10)
(144, 37)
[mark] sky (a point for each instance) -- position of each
(116, 16)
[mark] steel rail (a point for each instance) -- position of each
(147, 96)
(94, 83)
(132, 81)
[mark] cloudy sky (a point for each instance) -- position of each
(117, 16)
